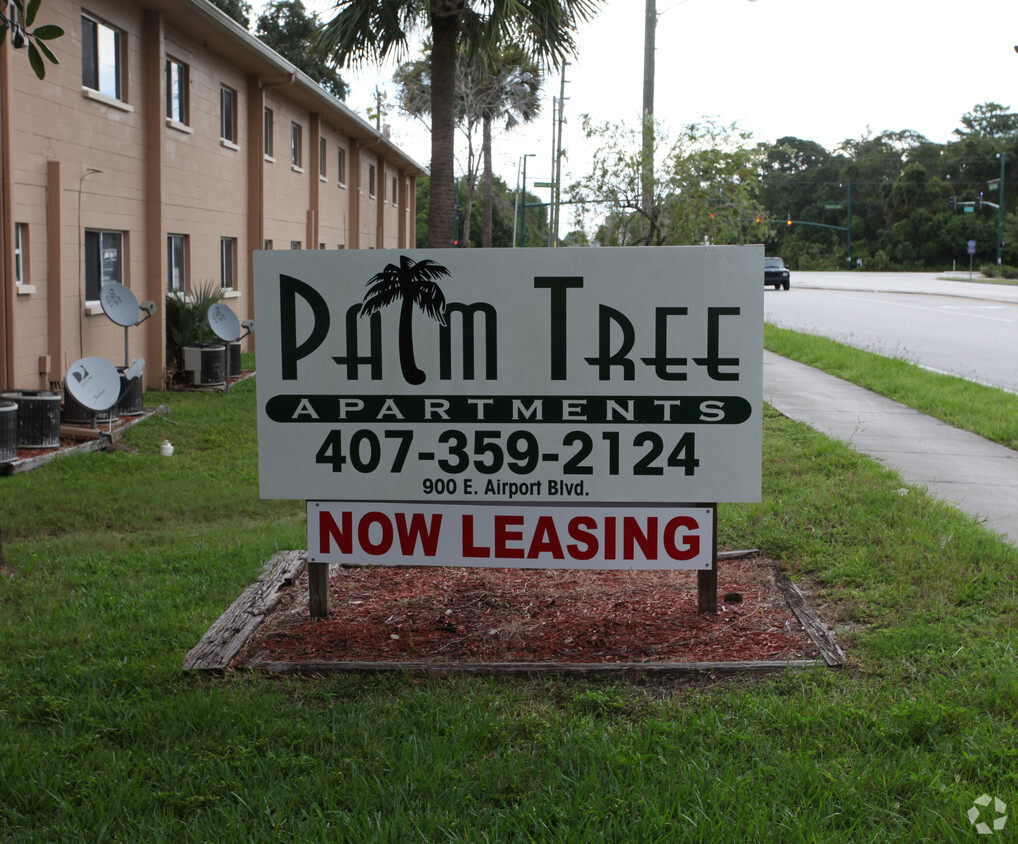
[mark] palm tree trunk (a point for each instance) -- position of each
(487, 184)
(442, 213)
(407, 361)
(471, 185)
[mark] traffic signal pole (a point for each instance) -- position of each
(1000, 211)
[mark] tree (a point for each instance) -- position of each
(285, 26)
(701, 193)
(16, 19)
(380, 109)
(239, 10)
(510, 92)
(413, 81)
(411, 283)
(990, 120)
(503, 85)
(801, 180)
(371, 30)
(505, 217)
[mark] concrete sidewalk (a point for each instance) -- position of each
(973, 474)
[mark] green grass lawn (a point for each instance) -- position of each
(118, 562)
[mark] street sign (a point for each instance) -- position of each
(544, 184)
(972, 247)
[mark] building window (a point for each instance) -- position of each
(20, 248)
(104, 261)
(371, 180)
(296, 142)
(295, 244)
(321, 157)
(176, 91)
(267, 131)
(341, 166)
(268, 244)
(101, 63)
(228, 262)
(176, 262)
(228, 114)
(394, 198)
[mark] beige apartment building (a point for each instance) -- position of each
(166, 147)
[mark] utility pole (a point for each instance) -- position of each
(523, 206)
(556, 174)
(650, 27)
(551, 205)
(1000, 210)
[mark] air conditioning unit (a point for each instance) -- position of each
(205, 363)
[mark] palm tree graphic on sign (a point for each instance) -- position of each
(411, 283)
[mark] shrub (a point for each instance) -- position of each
(187, 320)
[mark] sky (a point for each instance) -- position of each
(815, 69)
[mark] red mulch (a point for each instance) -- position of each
(452, 615)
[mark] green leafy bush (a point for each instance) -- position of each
(999, 271)
(187, 320)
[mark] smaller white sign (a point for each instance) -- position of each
(501, 536)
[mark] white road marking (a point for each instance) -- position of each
(921, 308)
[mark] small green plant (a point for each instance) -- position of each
(187, 320)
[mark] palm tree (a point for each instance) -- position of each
(511, 92)
(413, 81)
(411, 283)
(503, 85)
(369, 30)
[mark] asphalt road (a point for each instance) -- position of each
(944, 323)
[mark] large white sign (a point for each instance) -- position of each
(502, 535)
(521, 375)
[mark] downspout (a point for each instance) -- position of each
(6, 223)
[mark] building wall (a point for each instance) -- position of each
(73, 160)
(334, 191)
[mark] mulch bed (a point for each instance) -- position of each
(453, 615)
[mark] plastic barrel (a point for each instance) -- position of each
(38, 417)
(8, 431)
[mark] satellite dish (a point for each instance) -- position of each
(134, 370)
(94, 383)
(224, 322)
(119, 303)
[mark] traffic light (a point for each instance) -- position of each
(979, 202)
(789, 220)
(758, 218)
(952, 203)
